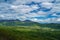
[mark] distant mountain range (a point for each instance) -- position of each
(24, 21)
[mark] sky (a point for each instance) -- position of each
(41, 11)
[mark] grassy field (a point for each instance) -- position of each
(28, 33)
(16, 30)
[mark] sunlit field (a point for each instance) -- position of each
(29, 32)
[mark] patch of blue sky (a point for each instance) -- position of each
(45, 9)
(7, 1)
(35, 11)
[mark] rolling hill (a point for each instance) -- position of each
(28, 30)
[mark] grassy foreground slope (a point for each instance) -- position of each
(27, 31)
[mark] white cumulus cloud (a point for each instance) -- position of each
(19, 10)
